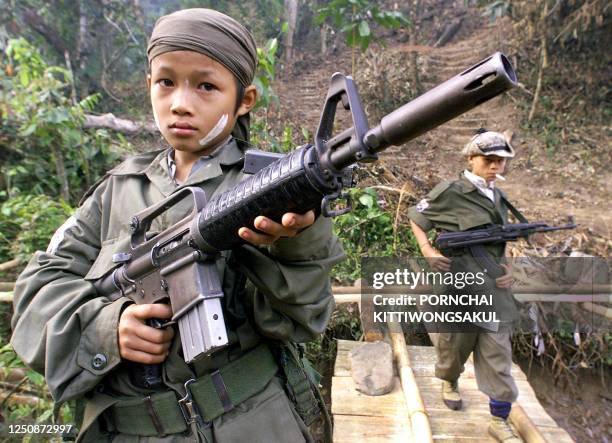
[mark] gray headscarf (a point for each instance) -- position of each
(215, 35)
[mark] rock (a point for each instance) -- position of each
(372, 368)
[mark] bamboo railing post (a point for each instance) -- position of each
(419, 421)
(525, 427)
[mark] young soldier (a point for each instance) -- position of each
(471, 201)
(276, 287)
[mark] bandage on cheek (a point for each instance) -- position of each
(215, 131)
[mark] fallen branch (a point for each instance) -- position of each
(9, 264)
(7, 286)
(5, 396)
(522, 87)
(449, 33)
(18, 399)
(12, 375)
(124, 126)
(10, 387)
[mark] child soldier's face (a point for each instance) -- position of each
(487, 166)
(194, 100)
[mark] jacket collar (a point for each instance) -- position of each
(467, 187)
(158, 172)
(154, 166)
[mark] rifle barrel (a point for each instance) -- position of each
(465, 91)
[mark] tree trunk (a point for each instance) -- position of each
(324, 39)
(60, 170)
(10, 264)
(543, 62)
(414, 29)
(35, 21)
(137, 9)
(449, 33)
(291, 12)
(82, 43)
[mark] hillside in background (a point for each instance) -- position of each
(555, 175)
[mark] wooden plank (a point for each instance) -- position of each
(348, 345)
(435, 383)
(348, 401)
(427, 369)
(448, 427)
(351, 429)
(470, 411)
(474, 429)
(342, 367)
(376, 419)
(556, 435)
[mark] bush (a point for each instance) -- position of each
(27, 222)
(44, 146)
(368, 230)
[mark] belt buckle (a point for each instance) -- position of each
(189, 409)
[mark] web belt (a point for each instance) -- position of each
(206, 398)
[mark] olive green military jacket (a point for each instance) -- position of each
(458, 206)
(63, 329)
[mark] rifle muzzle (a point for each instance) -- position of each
(465, 91)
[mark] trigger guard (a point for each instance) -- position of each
(326, 209)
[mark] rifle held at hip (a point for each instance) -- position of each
(475, 239)
(178, 264)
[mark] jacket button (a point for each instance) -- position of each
(99, 361)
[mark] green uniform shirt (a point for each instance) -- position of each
(458, 206)
(63, 329)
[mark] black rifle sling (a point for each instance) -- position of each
(481, 255)
(519, 216)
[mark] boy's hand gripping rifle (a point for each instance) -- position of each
(179, 263)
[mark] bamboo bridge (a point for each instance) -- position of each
(413, 411)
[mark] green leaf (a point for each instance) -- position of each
(35, 378)
(366, 200)
(285, 28)
(364, 29)
(45, 416)
(272, 46)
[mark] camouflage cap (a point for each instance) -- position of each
(489, 143)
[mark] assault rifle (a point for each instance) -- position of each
(475, 239)
(179, 263)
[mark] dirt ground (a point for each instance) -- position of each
(583, 407)
(570, 177)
